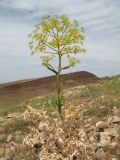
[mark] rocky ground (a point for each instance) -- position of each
(85, 133)
(77, 137)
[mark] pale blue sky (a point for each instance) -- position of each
(101, 20)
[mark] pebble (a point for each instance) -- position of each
(116, 119)
(100, 154)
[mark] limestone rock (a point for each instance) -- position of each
(105, 138)
(113, 145)
(115, 110)
(116, 119)
(112, 132)
(10, 138)
(100, 154)
(114, 159)
(100, 126)
(1, 119)
(2, 151)
(3, 159)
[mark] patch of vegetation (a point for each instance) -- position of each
(100, 111)
(91, 91)
(37, 102)
(102, 108)
(108, 87)
(54, 101)
(6, 109)
(112, 86)
(16, 125)
(110, 103)
(3, 138)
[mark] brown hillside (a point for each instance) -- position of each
(22, 90)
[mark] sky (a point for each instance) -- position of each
(100, 19)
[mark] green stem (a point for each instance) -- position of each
(59, 81)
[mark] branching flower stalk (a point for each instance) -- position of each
(55, 37)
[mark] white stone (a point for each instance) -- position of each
(116, 119)
(100, 154)
(101, 125)
(104, 138)
(2, 151)
(10, 138)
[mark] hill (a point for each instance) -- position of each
(17, 92)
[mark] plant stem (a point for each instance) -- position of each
(59, 81)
